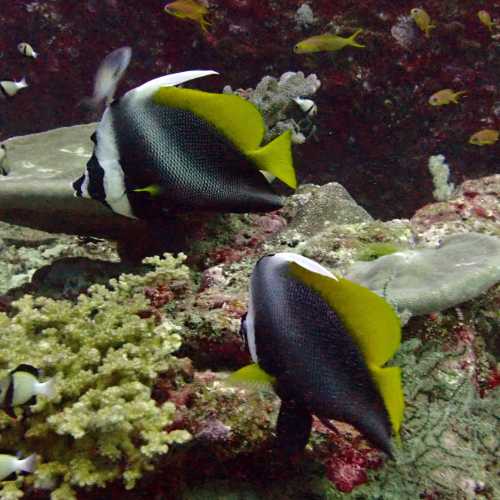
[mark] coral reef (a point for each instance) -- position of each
(474, 208)
(275, 99)
(185, 323)
(440, 172)
(24, 251)
(103, 424)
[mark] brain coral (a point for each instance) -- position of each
(103, 424)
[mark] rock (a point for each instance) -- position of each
(432, 279)
(37, 192)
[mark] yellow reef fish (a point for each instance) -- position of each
(485, 137)
(422, 20)
(189, 9)
(445, 96)
(485, 18)
(326, 42)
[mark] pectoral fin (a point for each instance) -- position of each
(154, 190)
(252, 376)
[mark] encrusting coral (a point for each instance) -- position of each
(105, 353)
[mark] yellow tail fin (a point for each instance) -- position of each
(352, 41)
(276, 158)
(456, 95)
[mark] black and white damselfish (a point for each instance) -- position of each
(21, 387)
(160, 149)
(322, 343)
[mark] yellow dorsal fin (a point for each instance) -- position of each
(251, 375)
(233, 116)
(388, 381)
(368, 318)
(276, 158)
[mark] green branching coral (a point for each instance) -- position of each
(103, 423)
(450, 435)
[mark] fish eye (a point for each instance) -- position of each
(414, 11)
(296, 47)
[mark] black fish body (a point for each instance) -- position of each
(199, 168)
(140, 143)
(297, 338)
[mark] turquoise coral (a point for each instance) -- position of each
(103, 424)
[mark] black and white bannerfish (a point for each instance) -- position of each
(161, 149)
(27, 50)
(21, 386)
(10, 465)
(9, 88)
(322, 343)
(108, 76)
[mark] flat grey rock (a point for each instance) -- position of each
(432, 279)
(37, 192)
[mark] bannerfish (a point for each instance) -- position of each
(445, 96)
(485, 18)
(322, 343)
(108, 76)
(326, 43)
(160, 149)
(422, 20)
(27, 50)
(189, 9)
(485, 137)
(10, 465)
(21, 386)
(10, 88)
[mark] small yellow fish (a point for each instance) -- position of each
(326, 42)
(189, 9)
(484, 137)
(422, 20)
(485, 18)
(445, 96)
